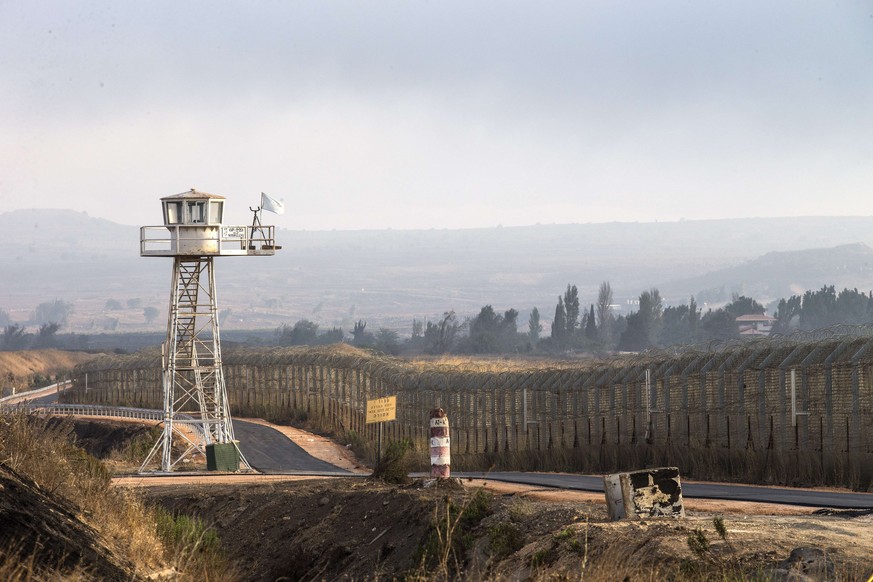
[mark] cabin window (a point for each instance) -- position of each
(174, 212)
(215, 208)
(197, 212)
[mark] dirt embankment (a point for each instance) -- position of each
(356, 529)
(279, 528)
(41, 523)
(291, 528)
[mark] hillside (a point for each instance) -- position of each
(782, 274)
(17, 368)
(387, 277)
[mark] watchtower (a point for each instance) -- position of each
(195, 396)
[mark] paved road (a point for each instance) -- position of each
(782, 495)
(265, 448)
(44, 400)
(269, 451)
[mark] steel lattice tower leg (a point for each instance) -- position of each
(194, 391)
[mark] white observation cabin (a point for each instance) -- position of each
(193, 227)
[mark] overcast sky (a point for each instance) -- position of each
(439, 114)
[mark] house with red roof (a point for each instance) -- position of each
(755, 324)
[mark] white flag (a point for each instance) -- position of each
(271, 204)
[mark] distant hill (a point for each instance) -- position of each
(387, 277)
(782, 274)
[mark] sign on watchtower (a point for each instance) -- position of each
(195, 398)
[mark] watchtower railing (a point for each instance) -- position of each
(213, 240)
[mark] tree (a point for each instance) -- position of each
(334, 335)
(439, 338)
(491, 332)
(680, 324)
(787, 314)
(508, 333)
(358, 333)
(534, 327)
(571, 307)
(417, 329)
(742, 305)
(559, 324)
(150, 313)
(853, 307)
(719, 325)
(45, 337)
(113, 305)
(304, 332)
(387, 341)
(644, 326)
(604, 313)
(55, 311)
(134, 303)
(4, 318)
(488, 321)
(693, 319)
(818, 308)
(14, 338)
(676, 329)
(591, 325)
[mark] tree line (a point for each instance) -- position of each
(595, 328)
(48, 318)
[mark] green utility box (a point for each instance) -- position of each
(222, 457)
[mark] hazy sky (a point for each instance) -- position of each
(439, 114)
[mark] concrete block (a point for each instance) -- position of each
(646, 493)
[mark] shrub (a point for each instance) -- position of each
(394, 466)
(505, 539)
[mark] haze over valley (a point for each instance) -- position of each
(389, 277)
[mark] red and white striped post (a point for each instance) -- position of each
(440, 455)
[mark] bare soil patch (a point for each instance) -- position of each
(275, 527)
(357, 529)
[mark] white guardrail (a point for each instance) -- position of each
(84, 410)
(37, 391)
(97, 410)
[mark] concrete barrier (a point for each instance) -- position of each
(646, 493)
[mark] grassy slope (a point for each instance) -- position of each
(43, 362)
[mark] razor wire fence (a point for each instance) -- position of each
(783, 408)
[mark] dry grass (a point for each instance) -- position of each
(493, 364)
(45, 453)
(24, 364)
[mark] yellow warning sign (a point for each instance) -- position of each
(382, 409)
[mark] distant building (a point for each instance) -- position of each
(755, 324)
